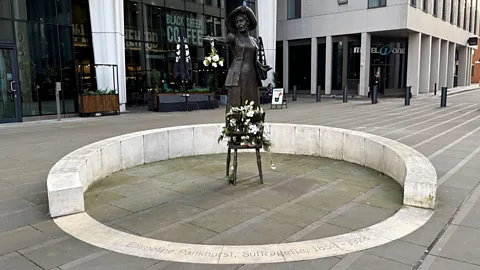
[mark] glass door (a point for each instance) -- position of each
(10, 108)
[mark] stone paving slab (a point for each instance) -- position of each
(275, 228)
(17, 142)
(16, 261)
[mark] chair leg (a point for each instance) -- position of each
(235, 167)
(229, 152)
(259, 164)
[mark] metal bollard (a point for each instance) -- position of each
(408, 95)
(435, 90)
(374, 94)
(345, 94)
(294, 93)
(58, 88)
(319, 95)
(443, 101)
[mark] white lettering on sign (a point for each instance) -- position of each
(194, 29)
(384, 50)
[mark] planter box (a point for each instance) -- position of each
(169, 102)
(152, 102)
(98, 104)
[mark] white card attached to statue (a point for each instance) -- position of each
(277, 96)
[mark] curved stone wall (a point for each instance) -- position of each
(72, 175)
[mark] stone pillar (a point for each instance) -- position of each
(328, 65)
(267, 27)
(108, 36)
(435, 64)
(413, 69)
(285, 66)
(462, 65)
(364, 64)
(451, 64)
(426, 53)
(443, 64)
(314, 63)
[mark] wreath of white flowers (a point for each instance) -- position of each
(245, 118)
(213, 58)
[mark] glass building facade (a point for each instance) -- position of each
(151, 31)
(39, 34)
(49, 41)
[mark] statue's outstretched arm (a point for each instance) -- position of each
(221, 40)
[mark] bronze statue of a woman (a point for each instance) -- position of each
(247, 71)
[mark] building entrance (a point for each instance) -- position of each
(389, 59)
(10, 106)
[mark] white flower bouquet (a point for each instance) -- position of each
(213, 59)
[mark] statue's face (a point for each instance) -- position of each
(242, 23)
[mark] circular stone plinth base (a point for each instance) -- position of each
(189, 200)
(84, 168)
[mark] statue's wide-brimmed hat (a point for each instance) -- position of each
(231, 24)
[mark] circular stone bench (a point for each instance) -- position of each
(71, 176)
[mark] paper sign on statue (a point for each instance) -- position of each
(277, 96)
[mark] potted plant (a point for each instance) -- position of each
(99, 101)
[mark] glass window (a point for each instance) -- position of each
(337, 65)
(5, 8)
(294, 9)
(133, 20)
(378, 3)
(451, 11)
(353, 66)
(471, 18)
(6, 31)
(459, 10)
(36, 11)
(69, 87)
(475, 25)
(195, 29)
(425, 5)
(64, 11)
(444, 10)
(154, 25)
(435, 7)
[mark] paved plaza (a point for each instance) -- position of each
(165, 200)
(188, 200)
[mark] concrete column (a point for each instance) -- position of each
(413, 69)
(435, 64)
(108, 36)
(267, 28)
(328, 65)
(286, 80)
(364, 64)
(462, 65)
(443, 74)
(425, 63)
(451, 64)
(314, 63)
